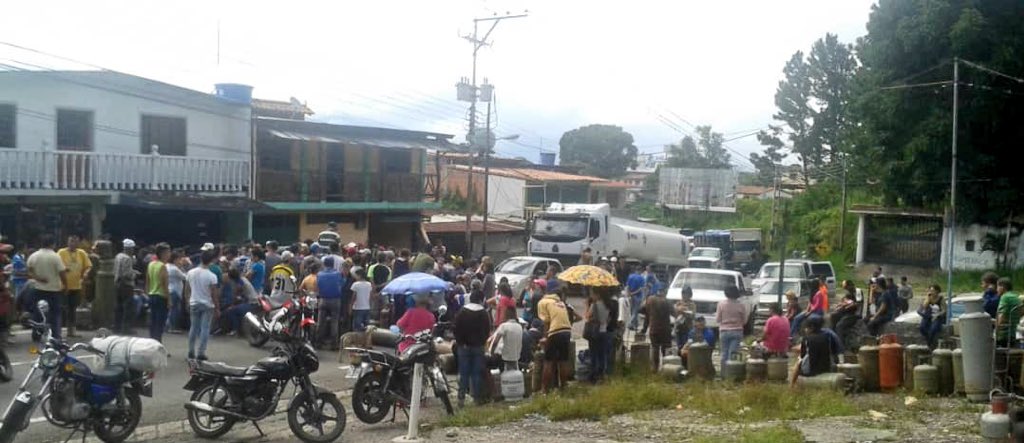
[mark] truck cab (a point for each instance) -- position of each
(706, 258)
(565, 230)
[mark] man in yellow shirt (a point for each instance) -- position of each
(77, 262)
(553, 311)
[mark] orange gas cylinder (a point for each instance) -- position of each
(890, 363)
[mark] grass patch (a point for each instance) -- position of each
(637, 393)
(771, 434)
(579, 402)
(754, 403)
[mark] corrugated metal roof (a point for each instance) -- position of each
(536, 175)
(357, 135)
(612, 184)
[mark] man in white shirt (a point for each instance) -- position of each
(507, 340)
(48, 274)
(203, 306)
(360, 304)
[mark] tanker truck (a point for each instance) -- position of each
(564, 230)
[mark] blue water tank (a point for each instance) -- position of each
(547, 158)
(234, 92)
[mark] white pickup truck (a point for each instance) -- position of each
(708, 287)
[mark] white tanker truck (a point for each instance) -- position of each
(564, 230)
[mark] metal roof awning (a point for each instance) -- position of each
(302, 130)
(189, 202)
(353, 140)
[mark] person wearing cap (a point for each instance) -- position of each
(329, 236)
(415, 320)
(124, 281)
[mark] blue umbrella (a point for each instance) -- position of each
(415, 282)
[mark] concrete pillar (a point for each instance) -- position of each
(861, 237)
(106, 293)
(97, 213)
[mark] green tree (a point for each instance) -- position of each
(813, 110)
(765, 163)
(912, 42)
(707, 151)
(603, 150)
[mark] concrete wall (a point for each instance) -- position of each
(214, 128)
(976, 259)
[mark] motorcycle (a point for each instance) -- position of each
(298, 309)
(223, 395)
(385, 378)
(106, 401)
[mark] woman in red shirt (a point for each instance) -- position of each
(502, 302)
(415, 320)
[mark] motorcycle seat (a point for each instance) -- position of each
(111, 375)
(221, 369)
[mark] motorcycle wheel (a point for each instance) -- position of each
(369, 401)
(257, 338)
(307, 417)
(118, 426)
(6, 370)
(13, 421)
(206, 425)
(444, 396)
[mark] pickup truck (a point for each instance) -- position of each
(708, 287)
(707, 258)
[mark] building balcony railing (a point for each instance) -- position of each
(294, 186)
(66, 170)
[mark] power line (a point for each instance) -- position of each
(992, 71)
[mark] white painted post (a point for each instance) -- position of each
(413, 434)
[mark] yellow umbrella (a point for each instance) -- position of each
(587, 275)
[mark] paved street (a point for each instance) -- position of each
(168, 395)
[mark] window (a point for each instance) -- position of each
(275, 154)
(74, 130)
(595, 229)
(8, 135)
(168, 133)
(969, 246)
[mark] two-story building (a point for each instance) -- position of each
(91, 152)
(374, 182)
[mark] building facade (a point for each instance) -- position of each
(374, 182)
(93, 152)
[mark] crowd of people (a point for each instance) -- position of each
(209, 290)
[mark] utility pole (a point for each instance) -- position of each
(487, 174)
(842, 215)
(782, 256)
(469, 92)
(952, 191)
(775, 201)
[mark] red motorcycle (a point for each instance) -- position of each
(295, 316)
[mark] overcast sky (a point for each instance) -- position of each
(395, 63)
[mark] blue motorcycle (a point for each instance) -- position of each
(105, 401)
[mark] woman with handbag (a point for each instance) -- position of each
(595, 332)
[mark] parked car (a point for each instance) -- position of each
(708, 287)
(706, 258)
(520, 270)
(768, 294)
(795, 269)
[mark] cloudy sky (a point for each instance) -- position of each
(395, 63)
